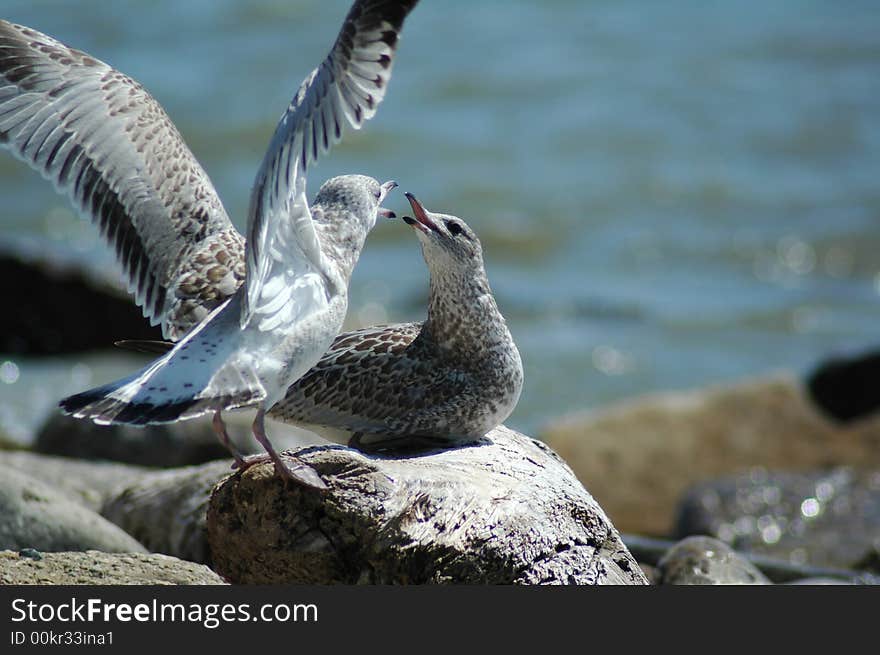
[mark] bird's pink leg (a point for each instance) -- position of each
(223, 436)
(298, 472)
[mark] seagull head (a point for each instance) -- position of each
(358, 196)
(448, 244)
(345, 209)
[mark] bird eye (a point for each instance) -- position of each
(454, 228)
(377, 193)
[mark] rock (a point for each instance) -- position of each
(175, 444)
(825, 518)
(41, 323)
(640, 456)
(166, 510)
(648, 551)
(506, 511)
(98, 568)
(846, 388)
(706, 561)
(35, 515)
(88, 483)
(170, 445)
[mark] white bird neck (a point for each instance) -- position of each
(341, 245)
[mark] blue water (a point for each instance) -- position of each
(669, 194)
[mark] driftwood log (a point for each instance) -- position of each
(507, 511)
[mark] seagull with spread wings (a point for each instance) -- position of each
(249, 316)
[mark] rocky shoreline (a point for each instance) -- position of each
(744, 484)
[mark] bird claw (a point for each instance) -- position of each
(245, 463)
(299, 472)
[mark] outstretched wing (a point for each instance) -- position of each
(107, 144)
(343, 91)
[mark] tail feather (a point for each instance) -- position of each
(105, 410)
(108, 404)
(96, 403)
(180, 385)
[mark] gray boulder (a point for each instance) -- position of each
(639, 456)
(706, 561)
(36, 515)
(89, 483)
(827, 518)
(184, 443)
(165, 510)
(177, 444)
(98, 568)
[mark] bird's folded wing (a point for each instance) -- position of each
(366, 378)
(342, 92)
(107, 144)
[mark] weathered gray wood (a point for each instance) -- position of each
(508, 511)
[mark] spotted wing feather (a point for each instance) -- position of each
(110, 147)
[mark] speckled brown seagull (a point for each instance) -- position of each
(268, 307)
(445, 381)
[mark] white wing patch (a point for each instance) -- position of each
(293, 285)
(343, 92)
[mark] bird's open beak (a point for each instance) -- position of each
(386, 189)
(421, 221)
